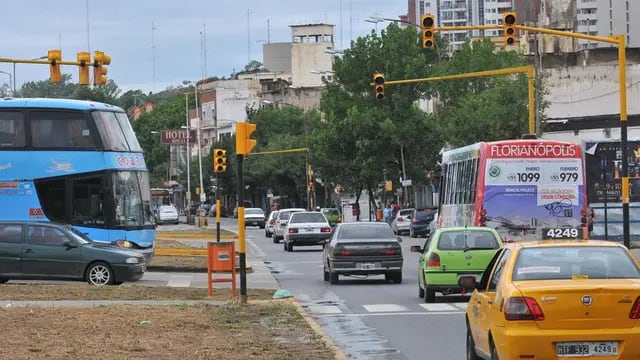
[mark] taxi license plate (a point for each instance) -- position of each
(580, 349)
(368, 266)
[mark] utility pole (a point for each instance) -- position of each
(248, 36)
(153, 53)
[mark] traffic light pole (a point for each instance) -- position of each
(217, 207)
(241, 232)
(529, 70)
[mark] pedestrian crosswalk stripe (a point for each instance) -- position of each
(180, 280)
(324, 309)
(439, 307)
(385, 308)
(462, 306)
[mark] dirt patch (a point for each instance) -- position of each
(17, 292)
(233, 332)
(174, 244)
(179, 261)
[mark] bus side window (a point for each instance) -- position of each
(11, 129)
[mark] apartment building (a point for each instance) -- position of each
(608, 17)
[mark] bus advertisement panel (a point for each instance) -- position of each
(525, 189)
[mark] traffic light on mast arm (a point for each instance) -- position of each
(219, 160)
(55, 57)
(100, 59)
(84, 58)
(244, 143)
(508, 21)
(427, 25)
(378, 81)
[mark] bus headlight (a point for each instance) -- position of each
(124, 243)
(132, 260)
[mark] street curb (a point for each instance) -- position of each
(189, 269)
(340, 355)
(7, 304)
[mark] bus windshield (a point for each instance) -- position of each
(116, 131)
(132, 198)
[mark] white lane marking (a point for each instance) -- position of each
(379, 308)
(395, 314)
(180, 280)
(256, 249)
(438, 307)
(462, 306)
(324, 309)
(303, 298)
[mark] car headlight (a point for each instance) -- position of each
(124, 243)
(132, 260)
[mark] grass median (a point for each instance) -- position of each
(231, 331)
(191, 261)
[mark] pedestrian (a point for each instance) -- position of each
(387, 213)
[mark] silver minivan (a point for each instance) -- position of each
(281, 223)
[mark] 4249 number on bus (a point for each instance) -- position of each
(560, 233)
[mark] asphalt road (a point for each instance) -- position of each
(369, 318)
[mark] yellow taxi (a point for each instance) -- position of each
(555, 299)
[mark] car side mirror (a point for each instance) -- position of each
(468, 283)
(399, 239)
(69, 244)
(416, 249)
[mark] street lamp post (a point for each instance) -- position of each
(203, 196)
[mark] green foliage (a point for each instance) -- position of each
(486, 108)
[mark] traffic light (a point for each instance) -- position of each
(508, 21)
(55, 57)
(84, 58)
(219, 160)
(99, 71)
(378, 80)
(427, 24)
(244, 143)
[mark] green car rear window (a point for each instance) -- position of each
(460, 240)
(331, 212)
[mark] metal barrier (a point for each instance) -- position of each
(221, 259)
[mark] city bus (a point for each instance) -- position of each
(79, 163)
(159, 197)
(526, 189)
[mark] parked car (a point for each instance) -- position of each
(281, 223)
(363, 248)
(555, 299)
(333, 215)
(450, 253)
(271, 224)
(402, 221)
(48, 251)
(306, 228)
(421, 221)
(254, 217)
(434, 224)
(167, 214)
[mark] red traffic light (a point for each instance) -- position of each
(510, 18)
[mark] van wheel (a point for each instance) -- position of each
(471, 346)
(429, 295)
(420, 291)
(333, 278)
(494, 352)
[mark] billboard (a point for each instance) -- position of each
(603, 163)
(177, 137)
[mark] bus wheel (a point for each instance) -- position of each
(99, 274)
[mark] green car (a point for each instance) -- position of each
(332, 215)
(450, 253)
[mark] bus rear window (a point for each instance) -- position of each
(11, 129)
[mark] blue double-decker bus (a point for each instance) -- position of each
(79, 163)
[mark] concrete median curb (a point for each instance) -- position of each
(189, 269)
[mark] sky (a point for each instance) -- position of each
(132, 31)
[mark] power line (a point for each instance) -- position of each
(594, 97)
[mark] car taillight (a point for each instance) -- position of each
(394, 250)
(271, 222)
(400, 219)
(340, 251)
(635, 309)
(326, 229)
(522, 308)
(293, 231)
(434, 260)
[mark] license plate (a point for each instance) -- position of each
(604, 348)
(368, 266)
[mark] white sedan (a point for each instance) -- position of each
(306, 228)
(167, 214)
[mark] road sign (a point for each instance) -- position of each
(177, 137)
(406, 182)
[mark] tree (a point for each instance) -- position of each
(253, 65)
(363, 138)
(46, 89)
(487, 108)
